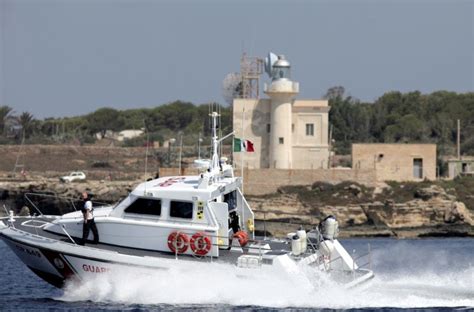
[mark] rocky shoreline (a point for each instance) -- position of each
(432, 213)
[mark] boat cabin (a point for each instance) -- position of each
(176, 215)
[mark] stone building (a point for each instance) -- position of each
(397, 162)
(463, 166)
(287, 133)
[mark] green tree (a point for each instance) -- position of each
(335, 93)
(102, 120)
(4, 116)
(27, 122)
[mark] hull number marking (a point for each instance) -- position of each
(28, 251)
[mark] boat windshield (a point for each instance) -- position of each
(146, 206)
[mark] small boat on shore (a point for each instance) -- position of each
(172, 221)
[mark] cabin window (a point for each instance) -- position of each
(182, 210)
(231, 200)
(147, 206)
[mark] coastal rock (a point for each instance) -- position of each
(458, 212)
(430, 192)
(354, 189)
(375, 213)
(380, 188)
(436, 210)
(347, 215)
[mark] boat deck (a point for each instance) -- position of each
(34, 226)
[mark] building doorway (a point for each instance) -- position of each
(418, 168)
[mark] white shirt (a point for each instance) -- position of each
(88, 209)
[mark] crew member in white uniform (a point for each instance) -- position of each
(89, 223)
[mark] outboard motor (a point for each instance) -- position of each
(296, 249)
(329, 228)
(304, 239)
(299, 243)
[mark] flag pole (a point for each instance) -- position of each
(243, 152)
(233, 151)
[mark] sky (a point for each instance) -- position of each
(71, 57)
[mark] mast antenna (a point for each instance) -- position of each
(146, 152)
(215, 143)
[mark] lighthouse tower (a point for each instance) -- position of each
(282, 92)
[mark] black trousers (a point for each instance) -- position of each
(86, 228)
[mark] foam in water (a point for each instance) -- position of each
(206, 283)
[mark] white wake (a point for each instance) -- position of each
(401, 285)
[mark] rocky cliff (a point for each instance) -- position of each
(387, 211)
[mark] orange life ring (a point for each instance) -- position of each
(178, 241)
(200, 244)
(243, 238)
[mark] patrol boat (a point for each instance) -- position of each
(173, 220)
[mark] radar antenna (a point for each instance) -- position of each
(269, 62)
(232, 87)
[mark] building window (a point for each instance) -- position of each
(418, 168)
(268, 128)
(281, 140)
(146, 206)
(292, 127)
(180, 209)
(310, 129)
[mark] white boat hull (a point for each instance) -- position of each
(56, 264)
(57, 261)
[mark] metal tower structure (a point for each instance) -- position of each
(250, 69)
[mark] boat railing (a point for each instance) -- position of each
(40, 224)
(9, 216)
(355, 259)
(71, 202)
(6, 210)
(290, 219)
(367, 256)
(247, 214)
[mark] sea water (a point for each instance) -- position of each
(427, 274)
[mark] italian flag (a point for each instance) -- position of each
(241, 145)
